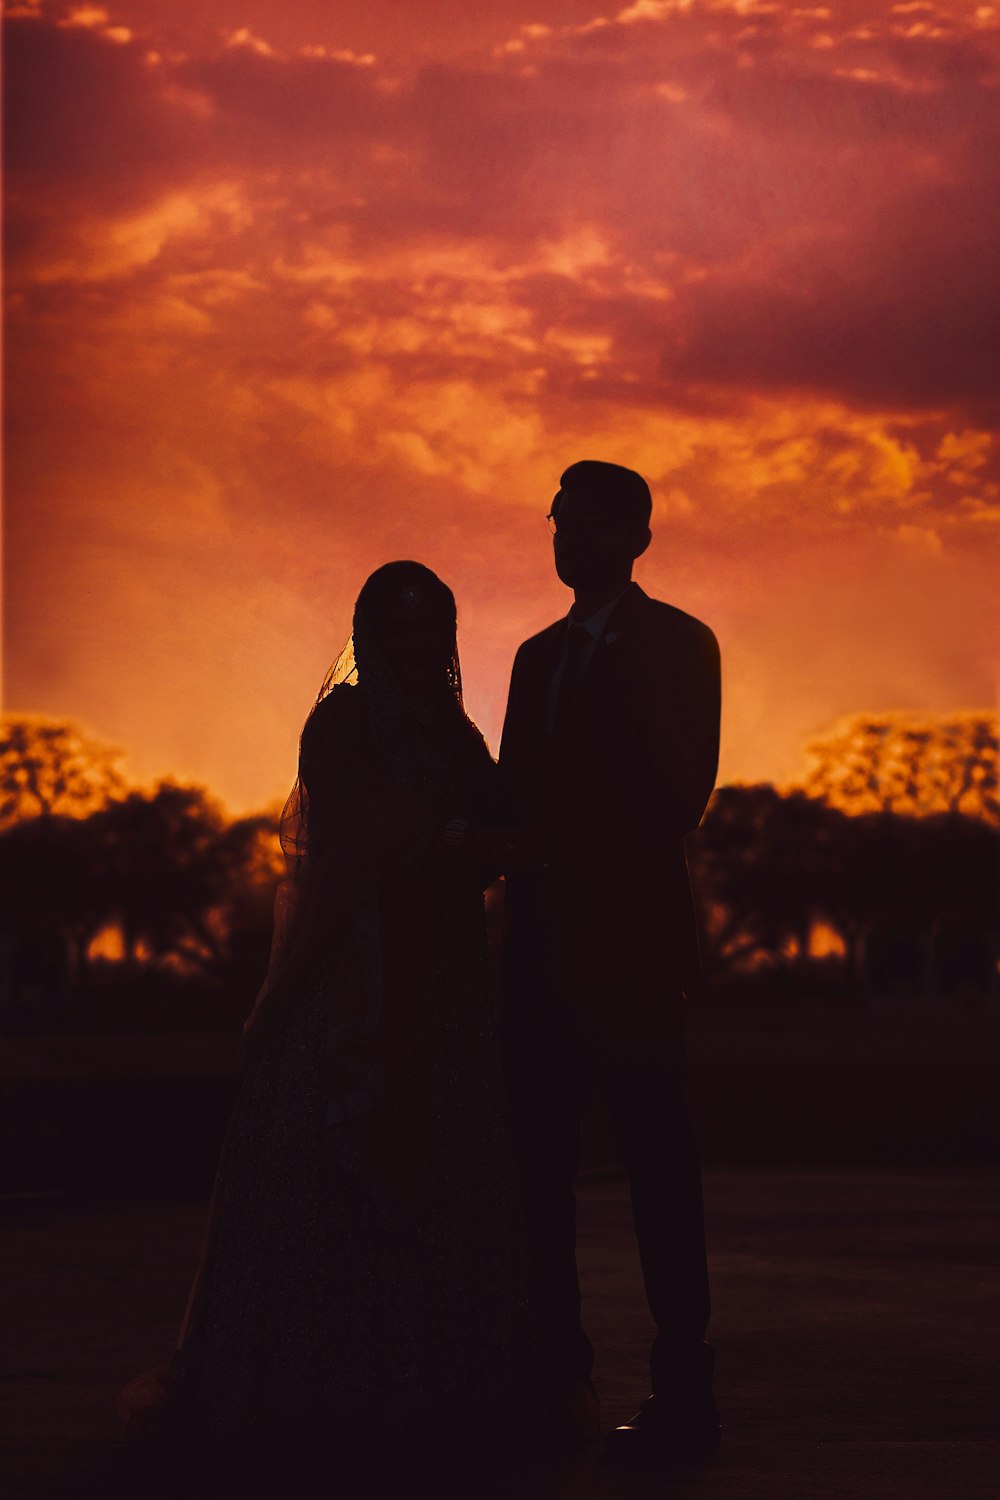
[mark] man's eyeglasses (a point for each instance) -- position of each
(584, 523)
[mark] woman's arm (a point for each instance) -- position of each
(503, 851)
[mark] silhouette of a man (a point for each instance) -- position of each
(610, 746)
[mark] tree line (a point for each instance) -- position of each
(882, 869)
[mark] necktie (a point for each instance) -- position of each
(569, 684)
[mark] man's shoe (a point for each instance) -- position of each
(662, 1429)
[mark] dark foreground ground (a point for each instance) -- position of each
(800, 1084)
(855, 1321)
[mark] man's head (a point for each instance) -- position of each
(600, 518)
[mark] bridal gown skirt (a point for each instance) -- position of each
(365, 1260)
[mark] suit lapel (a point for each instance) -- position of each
(612, 651)
(614, 647)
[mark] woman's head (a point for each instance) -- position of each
(411, 614)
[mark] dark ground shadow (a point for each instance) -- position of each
(852, 1319)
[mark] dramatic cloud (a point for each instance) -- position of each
(290, 293)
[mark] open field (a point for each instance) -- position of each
(853, 1316)
(142, 1116)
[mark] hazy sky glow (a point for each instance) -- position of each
(294, 289)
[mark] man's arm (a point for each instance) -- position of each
(509, 756)
(684, 731)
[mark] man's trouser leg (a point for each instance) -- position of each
(645, 1085)
(548, 1085)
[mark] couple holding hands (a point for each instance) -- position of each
(390, 1253)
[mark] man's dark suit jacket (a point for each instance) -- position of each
(608, 929)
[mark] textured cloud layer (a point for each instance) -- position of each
(287, 299)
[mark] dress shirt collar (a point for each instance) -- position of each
(596, 624)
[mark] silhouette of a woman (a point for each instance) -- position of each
(363, 1267)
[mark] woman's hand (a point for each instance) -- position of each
(508, 850)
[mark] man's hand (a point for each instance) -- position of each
(510, 850)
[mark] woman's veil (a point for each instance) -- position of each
(408, 757)
(293, 823)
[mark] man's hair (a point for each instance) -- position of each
(621, 490)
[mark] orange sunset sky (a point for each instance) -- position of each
(296, 288)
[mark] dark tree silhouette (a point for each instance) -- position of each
(909, 764)
(254, 864)
(181, 886)
(913, 899)
(49, 768)
(52, 883)
(765, 866)
(165, 873)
